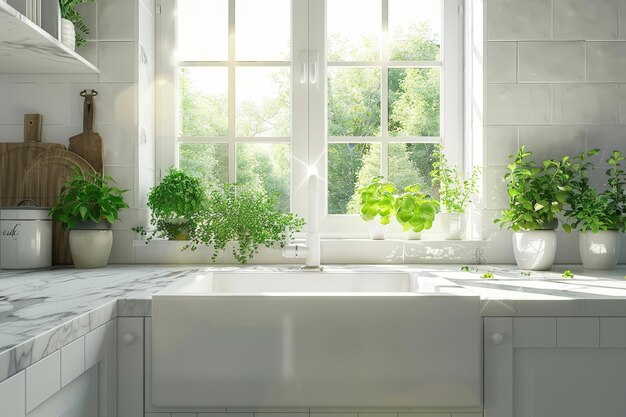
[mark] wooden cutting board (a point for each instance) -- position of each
(37, 171)
(88, 144)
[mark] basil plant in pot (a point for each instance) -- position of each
(600, 216)
(174, 203)
(415, 211)
(377, 205)
(88, 205)
(455, 194)
(537, 194)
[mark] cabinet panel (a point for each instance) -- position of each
(498, 367)
(130, 337)
(569, 382)
(13, 396)
(578, 332)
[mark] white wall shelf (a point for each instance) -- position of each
(25, 48)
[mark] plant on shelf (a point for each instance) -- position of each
(415, 210)
(377, 205)
(600, 216)
(244, 216)
(87, 205)
(537, 194)
(174, 204)
(455, 193)
(68, 12)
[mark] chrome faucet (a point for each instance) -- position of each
(311, 248)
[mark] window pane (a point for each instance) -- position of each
(350, 166)
(203, 101)
(354, 29)
(354, 102)
(199, 20)
(263, 101)
(207, 161)
(415, 30)
(263, 30)
(410, 163)
(414, 102)
(266, 166)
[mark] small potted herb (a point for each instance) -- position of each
(537, 194)
(246, 217)
(174, 202)
(455, 194)
(415, 211)
(600, 216)
(88, 205)
(377, 204)
(73, 29)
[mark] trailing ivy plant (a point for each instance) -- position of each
(455, 189)
(537, 194)
(68, 11)
(377, 199)
(88, 197)
(415, 210)
(590, 210)
(174, 203)
(244, 216)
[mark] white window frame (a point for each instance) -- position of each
(308, 101)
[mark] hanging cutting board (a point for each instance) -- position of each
(44, 179)
(88, 144)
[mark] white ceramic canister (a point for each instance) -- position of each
(25, 238)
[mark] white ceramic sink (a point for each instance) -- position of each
(313, 339)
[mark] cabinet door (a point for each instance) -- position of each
(554, 367)
(130, 336)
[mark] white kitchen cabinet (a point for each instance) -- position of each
(554, 367)
(130, 352)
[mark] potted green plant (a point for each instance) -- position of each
(600, 216)
(455, 193)
(73, 29)
(537, 194)
(415, 211)
(88, 205)
(174, 203)
(244, 216)
(377, 204)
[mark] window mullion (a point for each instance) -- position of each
(384, 89)
(232, 149)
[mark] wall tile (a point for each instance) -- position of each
(125, 178)
(117, 144)
(495, 194)
(500, 142)
(585, 104)
(89, 52)
(147, 29)
(43, 379)
(578, 332)
(123, 251)
(501, 62)
(622, 104)
(13, 395)
(115, 104)
(519, 20)
(585, 20)
(551, 61)
(607, 139)
(50, 100)
(552, 142)
(72, 361)
(510, 104)
(117, 20)
(606, 61)
(89, 13)
(117, 62)
(146, 149)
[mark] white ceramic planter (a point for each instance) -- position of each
(411, 235)
(68, 34)
(453, 225)
(534, 250)
(90, 248)
(600, 250)
(377, 230)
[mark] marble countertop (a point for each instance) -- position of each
(41, 311)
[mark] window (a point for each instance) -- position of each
(258, 90)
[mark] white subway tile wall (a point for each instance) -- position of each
(562, 91)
